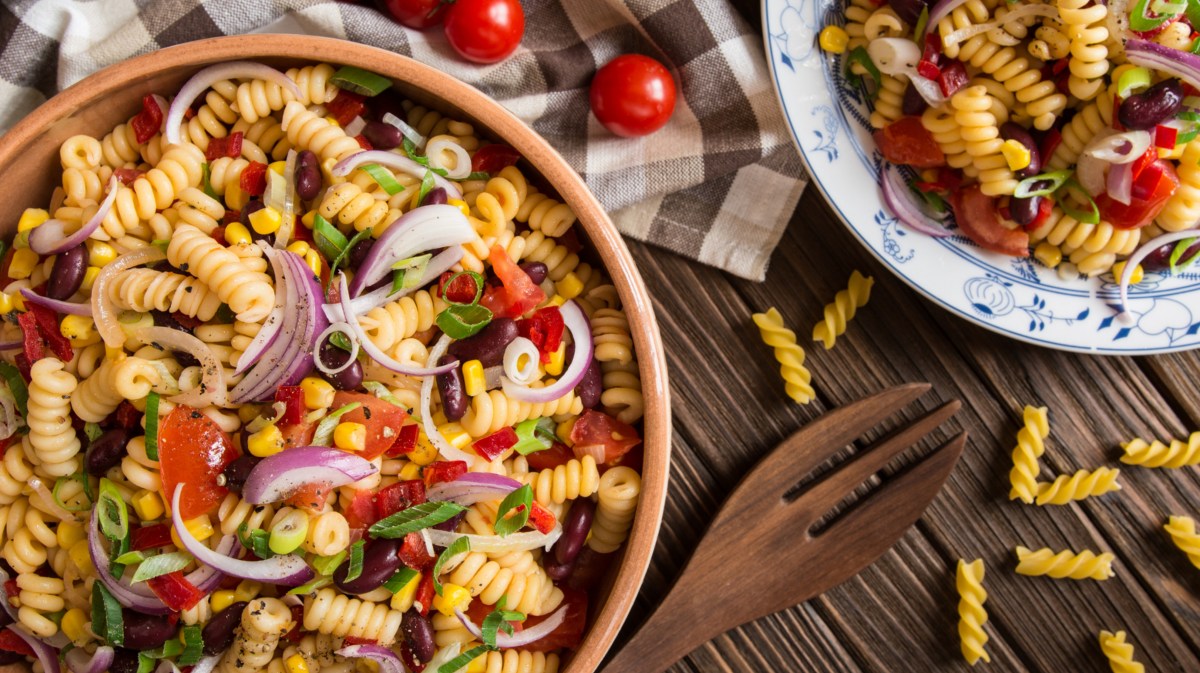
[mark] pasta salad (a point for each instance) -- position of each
(302, 376)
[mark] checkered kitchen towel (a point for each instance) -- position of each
(718, 184)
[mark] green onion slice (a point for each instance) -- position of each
(1041, 185)
(499, 620)
(324, 434)
(479, 283)
(383, 177)
(129, 558)
(415, 518)
(514, 511)
(1070, 189)
(1178, 251)
(427, 184)
(342, 256)
(359, 81)
(329, 241)
(161, 565)
(462, 660)
(325, 565)
(408, 273)
(257, 541)
(356, 561)
(381, 391)
(152, 426)
(193, 644)
(208, 188)
(460, 546)
(459, 321)
(401, 579)
(922, 21)
(62, 481)
(93, 431)
(114, 515)
(1133, 80)
(107, 621)
(535, 434)
(312, 585)
(860, 56)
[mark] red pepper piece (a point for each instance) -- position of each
(231, 216)
(218, 234)
(178, 593)
(498, 442)
(150, 537)
(254, 179)
(128, 415)
(930, 57)
(406, 441)
(35, 349)
(47, 322)
(399, 496)
(293, 636)
(952, 78)
(414, 554)
(355, 640)
(361, 512)
(148, 121)
(928, 70)
(230, 146)
(127, 176)
(1164, 137)
(541, 518)
(423, 599)
(345, 106)
(493, 158)
(293, 399)
(363, 142)
(1050, 142)
(11, 642)
(1045, 206)
(443, 470)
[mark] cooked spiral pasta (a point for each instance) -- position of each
(1182, 530)
(519, 661)
(233, 512)
(1030, 447)
(797, 379)
(1085, 26)
(1093, 248)
(259, 98)
(388, 325)
(138, 469)
(889, 101)
(843, 308)
(25, 549)
(1176, 454)
(264, 623)
(1089, 121)
(15, 472)
(857, 13)
(328, 611)
(83, 186)
(308, 131)
(492, 410)
(981, 134)
(1019, 75)
(1052, 42)
(38, 596)
(1183, 208)
(1065, 564)
(430, 123)
(146, 290)
(971, 613)
(559, 260)
(81, 152)
(51, 436)
(328, 534)
(610, 333)
(266, 135)
(544, 214)
(349, 204)
(530, 592)
(97, 397)
(972, 12)
(180, 168)
(571, 480)
(947, 132)
(1082, 484)
(1119, 653)
(249, 296)
(210, 120)
(616, 501)
(120, 147)
(622, 394)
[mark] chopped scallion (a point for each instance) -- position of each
(324, 434)
(359, 81)
(383, 177)
(114, 515)
(152, 425)
(161, 565)
(514, 511)
(401, 579)
(460, 546)
(344, 255)
(1041, 185)
(355, 567)
(415, 518)
(461, 322)
(329, 241)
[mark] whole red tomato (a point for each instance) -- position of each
(485, 31)
(633, 95)
(418, 14)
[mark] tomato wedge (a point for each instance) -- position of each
(193, 450)
(382, 419)
(597, 427)
(907, 141)
(976, 215)
(518, 294)
(1154, 182)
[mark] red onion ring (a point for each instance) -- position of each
(48, 237)
(138, 598)
(102, 309)
(472, 488)
(205, 78)
(1120, 183)
(431, 429)
(898, 197)
(212, 389)
(1182, 64)
(376, 352)
(270, 328)
(440, 263)
(393, 160)
(56, 305)
(46, 655)
(489, 544)
(421, 229)
(78, 660)
(341, 327)
(519, 638)
(277, 477)
(389, 661)
(577, 324)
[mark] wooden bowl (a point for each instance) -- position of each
(30, 170)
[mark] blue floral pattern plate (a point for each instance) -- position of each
(1017, 297)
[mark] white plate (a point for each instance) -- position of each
(1019, 298)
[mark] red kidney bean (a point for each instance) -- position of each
(1012, 131)
(308, 175)
(591, 385)
(358, 254)
(1160, 259)
(435, 197)
(146, 632)
(555, 570)
(913, 104)
(236, 473)
(1145, 110)
(381, 560)
(67, 273)
(1024, 210)
(537, 271)
(453, 390)
(487, 346)
(383, 136)
(106, 452)
(124, 661)
(252, 206)
(218, 632)
(333, 357)
(418, 632)
(575, 531)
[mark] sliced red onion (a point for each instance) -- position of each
(78, 660)
(494, 544)
(56, 305)
(389, 661)
(212, 389)
(209, 76)
(47, 656)
(516, 349)
(431, 430)
(277, 477)
(397, 161)
(1181, 64)
(356, 126)
(288, 570)
(10, 345)
(271, 326)
(473, 487)
(518, 638)
(1107, 148)
(940, 11)
(462, 160)
(102, 309)
(899, 198)
(344, 328)
(439, 264)
(377, 353)
(419, 230)
(581, 334)
(284, 235)
(408, 131)
(1120, 183)
(48, 238)
(1131, 264)
(137, 597)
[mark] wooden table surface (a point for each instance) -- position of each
(900, 614)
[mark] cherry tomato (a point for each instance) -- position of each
(310, 497)
(192, 450)
(493, 158)
(485, 31)
(907, 141)
(976, 215)
(383, 420)
(548, 459)
(633, 95)
(1154, 182)
(418, 14)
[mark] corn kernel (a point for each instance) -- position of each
(31, 218)
(333, 122)
(221, 600)
(557, 300)
(453, 597)
(453, 433)
(200, 528)
(474, 382)
(1016, 154)
(313, 261)
(100, 253)
(403, 598)
(1048, 254)
(266, 220)
(247, 590)
(277, 167)
(6, 303)
(461, 205)
(318, 394)
(89, 279)
(80, 329)
(265, 442)
(73, 625)
(69, 533)
(350, 436)
(410, 471)
(296, 664)
(425, 453)
(24, 261)
(834, 39)
(1136, 277)
(570, 286)
(309, 219)
(148, 505)
(299, 247)
(557, 359)
(563, 430)
(479, 663)
(80, 555)
(236, 233)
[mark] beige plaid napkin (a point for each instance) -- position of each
(717, 184)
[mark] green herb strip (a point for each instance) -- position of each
(161, 565)
(355, 566)
(152, 426)
(337, 261)
(324, 434)
(325, 565)
(16, 385)
(114, 515)
(329, 241)
(462, 660)
(257, 541)
(107, 621)
(193, 645)
(461, 322)
(400, 580)
(414, 519)
(499, 620)
(427, 184)
(514, 511)
(460, 546)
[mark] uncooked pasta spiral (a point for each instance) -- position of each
(233, 512)
(38, 596)
(573, 479)
(1174, 455)
(610, 333)
(519, 661)
(971, 613)
(180, 168)
(843, 308)
(349, 204)
(492, 410)
(1093, 248)
(1065, 564)
(329, 611)
(1119, 653)
(529, 592)
(1085, 26)
(145, 290)
(191, 250)
(308, 131)
(947, 132)
(397, 320)
(1078, 132)
(797, 379)
(260, 98)
(97, 397)
(1030, 447)
(1182, 530)
(544, 214)
(889, 101)
(1183, 208)
(328, 534)
(51, 435)
(617, 498)
(981, 133)
(1082, 484)
(264, 622)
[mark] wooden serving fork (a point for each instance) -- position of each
(760, 555)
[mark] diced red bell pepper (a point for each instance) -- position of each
(363, 142)
(254, 179)
(492, 158)
(952, 78)
(355, 640)
(545, 329)
(230, 147)
(11, 588)
(11, 642)
(598, 428)
(423, 599)
(399, 496)
(34, 347)
(293, 636)
(293, 400)
(47, 321)
(930, 56)
(928, 70)
(361, 512)
(1050, 142)
(127, 176)
(443, 471)
(498, 442)
(150, 537)
(345, 106)
(148, 121)
(406, 441)
(128, 415)
(414, 554)
(230, 217)
(541, 518)
(174, 590)
(1164, 136)
(570, 632)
